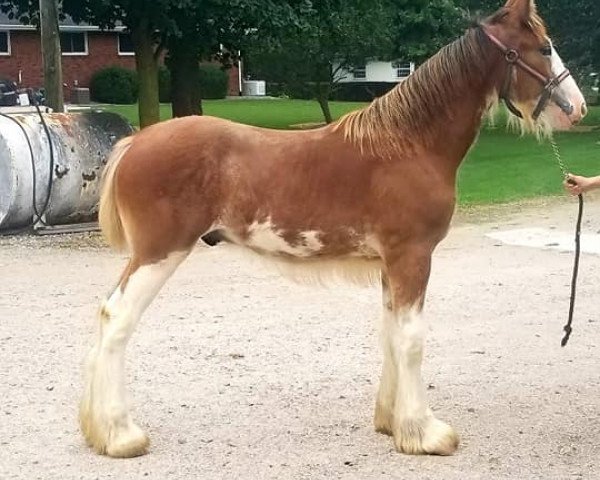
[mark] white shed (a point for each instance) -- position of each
(374, 71)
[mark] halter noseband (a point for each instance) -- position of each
(513, 58)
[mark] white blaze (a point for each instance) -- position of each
(568, 87)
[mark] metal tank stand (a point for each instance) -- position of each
(41, 229)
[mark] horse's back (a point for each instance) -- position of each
(316, 191)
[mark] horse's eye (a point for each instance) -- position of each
(546, 51)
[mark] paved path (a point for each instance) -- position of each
(238, 374)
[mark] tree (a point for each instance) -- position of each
(147, 21)
(347, 33)
(575, 29)
(481, 8)
(423, 27)
(143, 18)
(189, 30)
(330, 36)
(149, 25)
(214, 30)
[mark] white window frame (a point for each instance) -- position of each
(8, 44)
(403, 72)
(403, 67)
(85, 42)
(362, 70)
(123, 54)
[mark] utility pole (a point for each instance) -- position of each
(51, 54)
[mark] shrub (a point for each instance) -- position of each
(361, 92)
(214, 82)
(114, 85)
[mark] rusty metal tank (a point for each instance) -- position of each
(81, 143)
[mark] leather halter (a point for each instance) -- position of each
(513, 58)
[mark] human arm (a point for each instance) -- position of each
(577, 184)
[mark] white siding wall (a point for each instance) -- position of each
(376, 71)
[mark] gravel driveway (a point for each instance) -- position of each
(239, 374)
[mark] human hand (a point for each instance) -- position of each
(576, 184)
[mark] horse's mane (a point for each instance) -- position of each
(406, 114)
(408, 111)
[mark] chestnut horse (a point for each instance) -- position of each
(368, 196)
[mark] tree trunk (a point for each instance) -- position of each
(51, 54)
(183, 64)
(323, 90)
(147, 69)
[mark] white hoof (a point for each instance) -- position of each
(122, 439)
(427, 436)
(132, 442)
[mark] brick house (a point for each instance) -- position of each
(85, 49)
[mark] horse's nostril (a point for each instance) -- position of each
(584, 110)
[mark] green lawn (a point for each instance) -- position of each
(505, 167)
(502, 167)
(263, 113)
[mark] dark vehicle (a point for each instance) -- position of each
(8, 93)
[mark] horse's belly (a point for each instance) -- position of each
(266, 238)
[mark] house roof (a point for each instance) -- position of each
(67, 24)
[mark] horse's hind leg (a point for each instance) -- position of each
(386, 395)
(401, 404)
(104, 414)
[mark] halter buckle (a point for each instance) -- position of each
(512, 56)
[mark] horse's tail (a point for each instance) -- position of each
(108, 215)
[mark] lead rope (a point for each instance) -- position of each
(568, 328)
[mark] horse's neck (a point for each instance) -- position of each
(455, 132)
(460, 131)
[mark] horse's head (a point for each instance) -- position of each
(536, 85)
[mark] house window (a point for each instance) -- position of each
(125, 44)
(359, 71)
(74, 43)
(402, 70)
(4, 43)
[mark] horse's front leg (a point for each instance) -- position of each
(401, 404)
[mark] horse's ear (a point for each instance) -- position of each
(525, 9)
